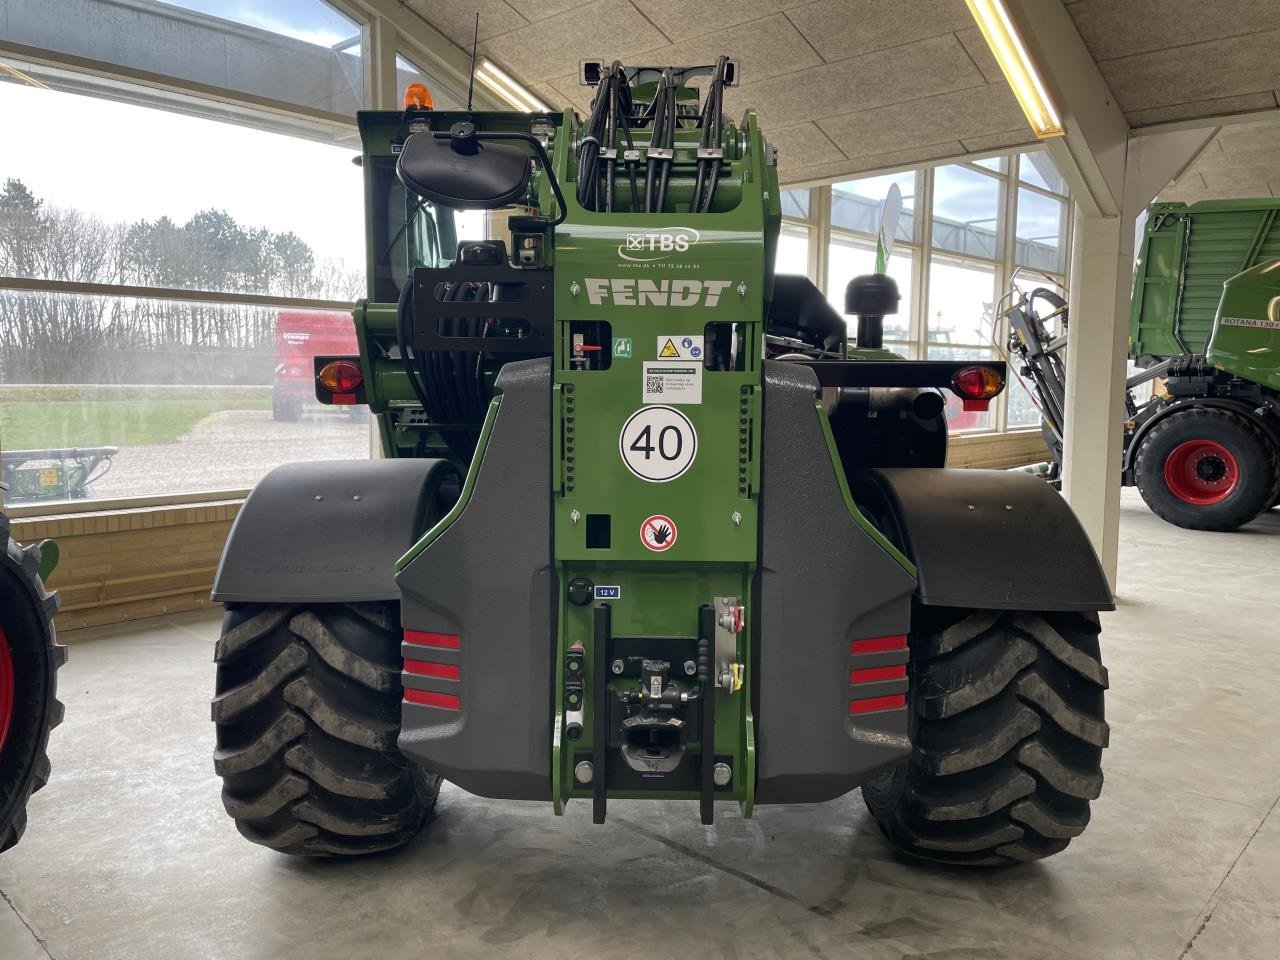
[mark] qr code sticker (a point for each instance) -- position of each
(653, 385)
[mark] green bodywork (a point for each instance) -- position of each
(1187, 253)
(1246, 335)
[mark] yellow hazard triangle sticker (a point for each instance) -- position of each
(668, 350)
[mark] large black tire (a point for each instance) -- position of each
(1207, 469)
(29, 661)
(1007, 730)
(307, 709)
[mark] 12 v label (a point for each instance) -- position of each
(658, 443)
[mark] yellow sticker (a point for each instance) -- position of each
(49, 477)
(669, 349)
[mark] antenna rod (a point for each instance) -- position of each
(471, 81)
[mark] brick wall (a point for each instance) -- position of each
(125, 564)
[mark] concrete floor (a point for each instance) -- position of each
(129, 854)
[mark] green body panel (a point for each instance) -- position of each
(1246, 337)
(722, 278)
(1187, 252)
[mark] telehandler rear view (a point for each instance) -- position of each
(648, 525)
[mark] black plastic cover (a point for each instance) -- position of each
(800, 311)
(483, 176)
(328, 531)
(989, 539)
(824, 582)
(488, 579)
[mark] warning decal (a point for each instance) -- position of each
(680, 347)
(658, 533)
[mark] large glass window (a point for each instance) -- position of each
(442, 96)
(302, 52)
(1038, 169)
(107, 397)
(962, 298)
(964, 266)
(966, 211)
(137, 395)
(793, 251)
(857, 204)
(795, 203)
(221, 207)
(1039, 229)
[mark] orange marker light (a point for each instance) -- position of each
(417, 97)
(340, 376)
(976, 386)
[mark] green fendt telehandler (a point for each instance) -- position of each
(648, 525)
(29, 660)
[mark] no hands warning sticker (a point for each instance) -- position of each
(658, 533)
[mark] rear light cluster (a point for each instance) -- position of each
(878, 674)
(976, 386)
(340, 381)
(439, 674)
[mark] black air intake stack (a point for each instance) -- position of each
(870, 297)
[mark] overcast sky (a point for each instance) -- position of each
(126, 163)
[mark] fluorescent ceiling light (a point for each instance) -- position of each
(501, 83)
(1018, 69)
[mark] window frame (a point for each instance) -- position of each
(823, 233)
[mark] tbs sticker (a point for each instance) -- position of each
(658, 533)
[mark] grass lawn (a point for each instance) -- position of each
(29, 424)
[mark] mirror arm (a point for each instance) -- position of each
(562, 207)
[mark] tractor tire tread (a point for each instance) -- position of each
(26, 613)
(1008, 732)
(1230, 514)
(307, 713)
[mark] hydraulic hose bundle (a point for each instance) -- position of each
(612, 113)
(662, 143)
(450, 385)
(709, 151)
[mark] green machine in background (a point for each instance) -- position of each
(1204, 326)
(1205, 450)
(648, 525)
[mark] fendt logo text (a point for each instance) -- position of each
(630, 292)
(654, 245)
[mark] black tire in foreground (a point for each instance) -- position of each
(1207, 469)
(307, 709)
(1008, 731)
(29, 661)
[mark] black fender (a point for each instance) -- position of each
(330, 531)
(988, 539)
(1249, 411)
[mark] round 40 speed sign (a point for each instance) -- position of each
(658, 443)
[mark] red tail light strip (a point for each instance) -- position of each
(895, 701)
(424, 638)
(872, 674)
(428, 698)
(424, 668)
(879, 644)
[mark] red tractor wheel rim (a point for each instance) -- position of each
(6, 688)
(1201, 472)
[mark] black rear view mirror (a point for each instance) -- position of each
(457, 170)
